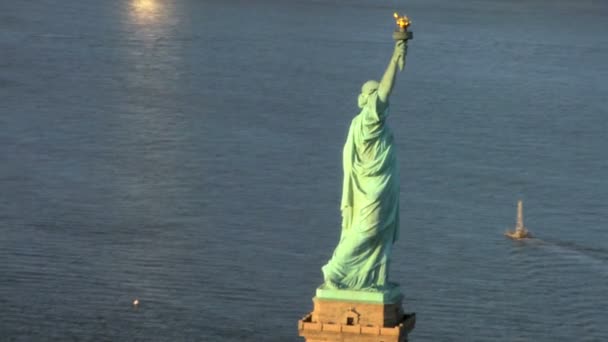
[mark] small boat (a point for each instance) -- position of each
(520, 232)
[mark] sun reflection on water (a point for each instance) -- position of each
(146, 11)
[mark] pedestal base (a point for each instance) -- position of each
(336, 320)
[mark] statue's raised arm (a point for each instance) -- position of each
(388, 80)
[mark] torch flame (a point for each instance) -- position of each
(403, 22)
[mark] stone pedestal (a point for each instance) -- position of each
(356, 316)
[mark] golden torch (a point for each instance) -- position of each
(401, 33)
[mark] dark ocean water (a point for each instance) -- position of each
(187, 153)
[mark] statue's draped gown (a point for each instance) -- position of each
(370, 203)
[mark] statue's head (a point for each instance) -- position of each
(368, 88)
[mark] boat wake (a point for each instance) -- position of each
(598, 253)
(596, 258)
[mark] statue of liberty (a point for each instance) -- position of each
(370, 192)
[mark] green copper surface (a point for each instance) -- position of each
(391, 294)
(370, 192)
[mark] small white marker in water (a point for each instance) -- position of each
(136, 302)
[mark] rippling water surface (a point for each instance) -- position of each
(187, 153)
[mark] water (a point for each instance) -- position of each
(188, 154)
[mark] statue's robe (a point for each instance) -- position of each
(370, 203)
